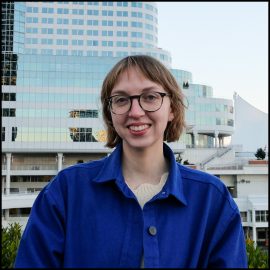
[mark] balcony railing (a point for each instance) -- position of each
(27, 167)
(21, 191)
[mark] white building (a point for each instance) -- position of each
(251, 123)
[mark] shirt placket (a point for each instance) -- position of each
(150, 237)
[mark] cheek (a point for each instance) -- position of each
(117, 121)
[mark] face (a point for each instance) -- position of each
(137, 128)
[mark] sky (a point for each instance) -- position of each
(223, 44)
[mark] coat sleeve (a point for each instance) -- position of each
(230, 249)
(42, 243)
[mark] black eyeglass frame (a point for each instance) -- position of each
(139, 100)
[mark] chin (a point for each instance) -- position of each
(141, 144)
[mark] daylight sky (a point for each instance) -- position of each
(223, 45)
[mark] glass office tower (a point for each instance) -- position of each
(55, 56)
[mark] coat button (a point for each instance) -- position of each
(152, 230)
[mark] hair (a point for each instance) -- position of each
(156, 72)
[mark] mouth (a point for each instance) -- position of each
(138, 127)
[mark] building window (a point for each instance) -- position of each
(107, 43)
(107, 23)
(62, 41)
(136, 44)
(136, 4)
(122, 14)
(92, 53)
(7, 112)
(14, 134)
(8, 96)
(46, 31)
(78, 42)
(78, 11)
(19, 212)
(62, 31)
(77, 32)
(243, 216)
(77, 53)
(92, 42)
(261, 216)
(93, 3)
(3, 134)
(47, 10)
(107, 53)
(136, 34)
(136, 14)
(230, 122)
(107, 4)
(92, 32)
(92, 22)
(47, 20)
(93, 12)
(62, 21)
(77, 22)
(106, 33)
(83, 114)
(122, 4)
(122, 33)
(122, 23)
(107, 13)
(136, 24)
(122, 44)
(81, 134)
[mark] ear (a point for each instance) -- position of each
(171, 116)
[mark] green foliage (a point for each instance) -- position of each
(257, 258)
(11, 237)
(260, 154)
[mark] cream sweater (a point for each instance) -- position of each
(146, 192)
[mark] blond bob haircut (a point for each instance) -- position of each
(156, 72)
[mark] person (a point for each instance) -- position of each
(136, 207)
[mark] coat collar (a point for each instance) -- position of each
(112, 171)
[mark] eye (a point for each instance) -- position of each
(150, 97)
(120, 100)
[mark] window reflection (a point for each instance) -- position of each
(81, 134)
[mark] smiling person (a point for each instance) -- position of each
(137, 207)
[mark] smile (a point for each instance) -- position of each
(138, 128)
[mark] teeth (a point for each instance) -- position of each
(138, 128)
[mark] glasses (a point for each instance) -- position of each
(149, 102)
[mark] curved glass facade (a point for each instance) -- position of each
(51, 87)
(113, 29)
(59, 98)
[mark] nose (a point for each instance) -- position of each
(135, 109)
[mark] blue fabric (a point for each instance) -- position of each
(88, 217)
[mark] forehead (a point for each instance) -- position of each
(133, 78)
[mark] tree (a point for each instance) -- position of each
(260, 154)
(11, 237)
(257, 258)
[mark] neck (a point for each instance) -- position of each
(143, 165)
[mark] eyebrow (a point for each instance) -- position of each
(123, 92)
